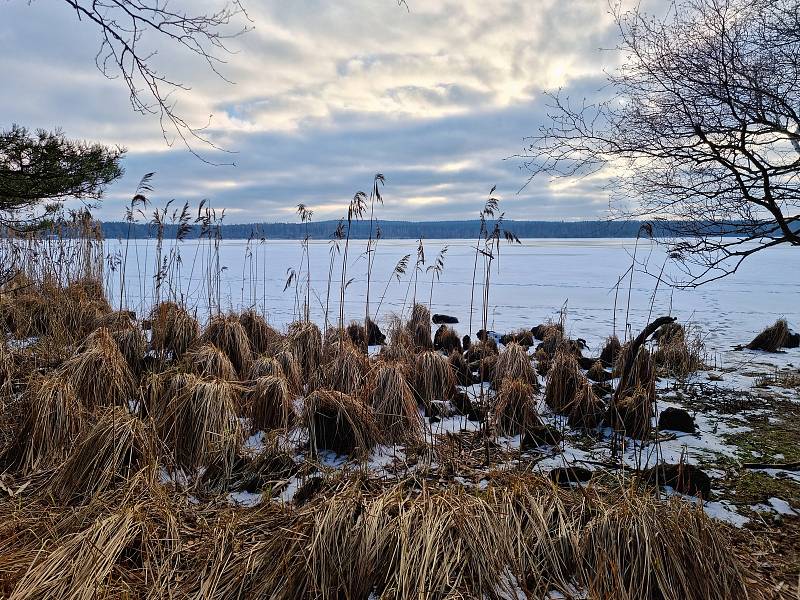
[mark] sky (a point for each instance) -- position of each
(438, 97)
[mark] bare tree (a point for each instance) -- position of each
(129, 32)
(699, 130)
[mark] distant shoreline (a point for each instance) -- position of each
(430, 230)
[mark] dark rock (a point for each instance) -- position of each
(523, 338)
(676, 419)
(794, 340)
(442, 319)
(542, 435)
(684, 479)
(466, 342)
(375, 336)
(433, 420)
(461, 402)
(446, 339)
(565, 476)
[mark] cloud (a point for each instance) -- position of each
(327, 94)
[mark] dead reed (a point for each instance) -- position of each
(345, 369)
(270, 404)
(513, 363)
(206, 360)
(173, 328)
(229, 335)
(305, 341)
(433, 378)
(563, 381)
(515, 408)
(263, 338)
(264, 366)
(340, 423)
(392, 399)
(99, 372)
(115, 450)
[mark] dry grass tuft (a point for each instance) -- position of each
(100, 373)
(132, 343)
(514, 363)
(586, 410)
(263, 338)
(290, 367)
(199, 421)
(772, 339)
(632, 414)
(433, 378)
(230, 336)
(345, 370)
(563, 381)
(118, 448)
(393, 401)
(53, 417)
(270, 404)
(207, 360)
(80, 565)
(264, 366)
(305, 341)
(173, 328)
(481, 349)
(460, 368)
(671, 550)
(515, 408)
(610, 351)
(678, 354)
(340, 423)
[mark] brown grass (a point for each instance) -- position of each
(346, 368)
(340, 423)
(173, 328)
(115, 450)
(773, 338)
(52, 419)
(290, 366)
(586, 410)
(230, 336)
(206, 360)
(305, 341)
(263, 338)
(514, 363)
(679, 354)
(446, 339)
(563, 381)
(100, 373)
(357, 335)
(270, 404)
(433, 378)
(393, 401)
(515, 408)
(199, 421)
(264, 366)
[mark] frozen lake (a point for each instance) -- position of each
(529, 285)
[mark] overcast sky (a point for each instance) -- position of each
(327, 93)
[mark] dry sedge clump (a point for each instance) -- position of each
(393, 401)
(132, 343)
(230, 336)
(209, 361)
(52, 419)
(200, 422)
(419, 314)
(263, 338)
(305, 341)
(481, 350)
(460, 368)
(80, 564)
(100, 373)
(676, 355)
(515, 408)
(598, 373)
(290, 367)
(116, 449)
(586, 411)
(670, 551)
(345, 369)
(270, 404)
(173, 328)
(514, 363)
(610, 351)
(340, 423)
(433, 378)
(265, 366)
(773, 338)
(632, 415)
(563, 381)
